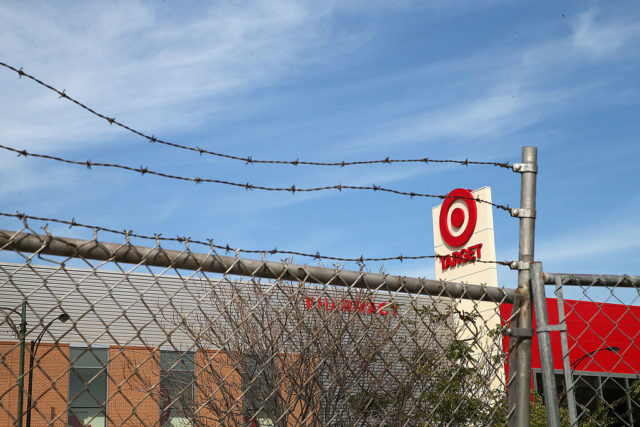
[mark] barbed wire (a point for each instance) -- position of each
(293, 189)
(248, 159)
(209, 243)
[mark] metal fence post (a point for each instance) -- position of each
(568, 377)
(543, 330)
(527, 213)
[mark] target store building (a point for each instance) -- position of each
(603, 338)
(118, 358)
(603, 356)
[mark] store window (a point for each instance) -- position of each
(176, 388)
(612, 397)
(88, 387)
(259, 377)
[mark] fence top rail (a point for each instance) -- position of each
(234, 265)
(605, 280)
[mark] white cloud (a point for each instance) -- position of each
(592, 38)
(595, 242)
(599, 40)
(507, 91)
(178, 72)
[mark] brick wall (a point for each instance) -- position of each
(134, 374)
(211, 369)
(9, 361)
(50, 384)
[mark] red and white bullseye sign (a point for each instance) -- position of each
(458, 217)
(463, 235)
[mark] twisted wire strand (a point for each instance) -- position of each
(209, 243)
(247, 186)
(248, 159)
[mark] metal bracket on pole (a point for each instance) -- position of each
(525, 167)
(520, 332)
(520, 265)
(523, 213)
(551, 328)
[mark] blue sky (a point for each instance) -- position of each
(330, 81)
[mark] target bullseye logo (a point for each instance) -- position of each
(458, 217)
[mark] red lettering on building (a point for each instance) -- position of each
(463, 256)
(349, 306)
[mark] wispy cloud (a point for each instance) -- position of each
(595, 242)
(601, 38)
(518, 89)
(179, 72)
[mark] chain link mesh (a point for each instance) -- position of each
(130, 336)
(597, 367)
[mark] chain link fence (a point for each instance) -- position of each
(96, 333)
(596, 354)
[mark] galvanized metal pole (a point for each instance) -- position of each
(608, 280)
(211, 262)
(543, 330)
(564, 342)
(527, 214)
(511, 380)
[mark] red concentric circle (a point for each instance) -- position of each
(458, 217)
